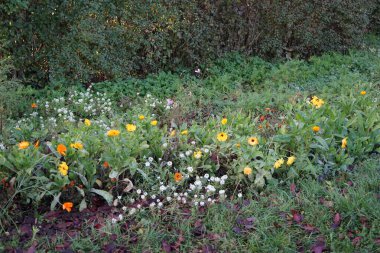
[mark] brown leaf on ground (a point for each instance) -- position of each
(319, 246)
(336, 220)
(166, 247)
(310, 228)
(356, 241)
(293, 188)
(297, 217)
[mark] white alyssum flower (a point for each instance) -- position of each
(162, 188)
(169, 163)
(150, 159)
(113, 220)
(240, 195)
(120, 217)
(222, 192)
(138, 191)
(206, 176)
(190, 169)
(132, 211)
(201, 203)
(147, 164)
(210, 188)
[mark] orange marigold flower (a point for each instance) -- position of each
(316, 129)
(61, 149)
(106, 164)
(67, 206)
(113, 132)
(247, 171)
(177, 176)
(34, 105)
(23, 145)
(363, 92)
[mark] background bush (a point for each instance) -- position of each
(89, 41)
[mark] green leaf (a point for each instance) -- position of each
(106, 195)
(284, 138)
(55, 201)
(82, 205)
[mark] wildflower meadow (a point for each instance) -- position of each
(234, 154)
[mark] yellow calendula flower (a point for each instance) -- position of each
(76, 145)
(154, 122)
(130, 127)
(172, 133)
(317, 102)
(237, 145)
(224, 121)
(23, 145)
(185, 132)
(247, 171)
(141, 117)
(197, 154)
(253, 141)
(291, 160)
(222, 136)
(344, 142)
(113, 132)
(278, 163)
(87, 122)
(363, 92)
(63, 168)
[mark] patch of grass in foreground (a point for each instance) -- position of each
(340, 215)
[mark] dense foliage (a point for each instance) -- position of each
(101, 40)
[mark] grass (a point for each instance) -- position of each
(274, 220)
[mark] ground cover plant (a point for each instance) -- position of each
(242, 154)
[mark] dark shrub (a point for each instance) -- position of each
(89, 41)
